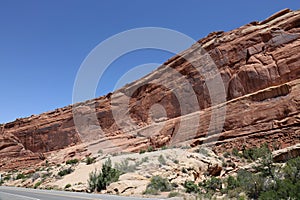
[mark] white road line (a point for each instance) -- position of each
(43, 192)
(21, 196)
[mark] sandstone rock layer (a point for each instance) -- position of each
(260, 68)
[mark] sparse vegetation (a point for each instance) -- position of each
(158, 184)
(37, 184)
(175, 161)
(142, 151)
(164, 148)
(210, 186)
(150, 149)
(65, 172)
(72, 161)
(125, 166)
(89, 160)
(100, 180)
(68, 186)
(145, 159)
(7, 178)
(191, 187)
(20, 176)
(162, 160)
(265, 181)
(235, 152)
(256, 152)
(202, 151)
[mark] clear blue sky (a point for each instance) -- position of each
(43, 43)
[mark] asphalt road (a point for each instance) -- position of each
(12, 193)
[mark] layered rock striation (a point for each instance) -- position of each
(259, 66)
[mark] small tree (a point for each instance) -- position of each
(107, 175)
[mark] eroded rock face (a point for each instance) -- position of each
(259, 65)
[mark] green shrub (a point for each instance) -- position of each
(142, 151)
(37, 184)
(235, 152)
(256, 152)
(211, 184)
(164, 147)
(89, 160)
(72, 161)
(191, 187)
(20, 176)
(232, 183)
(150, 149)
(7, 178)
(100, 180)
(68, 186)
(65, 172)
(162, 160)
(158, 184)
(145, 159)
(202, 151)
(176, 161)
(125, 167)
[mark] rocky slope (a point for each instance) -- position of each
(259, 66)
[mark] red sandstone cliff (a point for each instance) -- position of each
(259, 64)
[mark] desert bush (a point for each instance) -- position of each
(164, 148)
(37, 184)
(72, 161)
(175, 161)
(89, 160)
(158, 184)
(68, 186)
(162, 160)
(231, 183)
(142, 151)
(125, 167)
(150, 149)
(7, 178)
(145, 159)
(211, 184)
(65, 172)
(256, 152)
(20, 176)
(235, 152)
(191, 187)
(100, 180)
(202, 151)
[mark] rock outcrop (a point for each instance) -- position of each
(260, 68)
